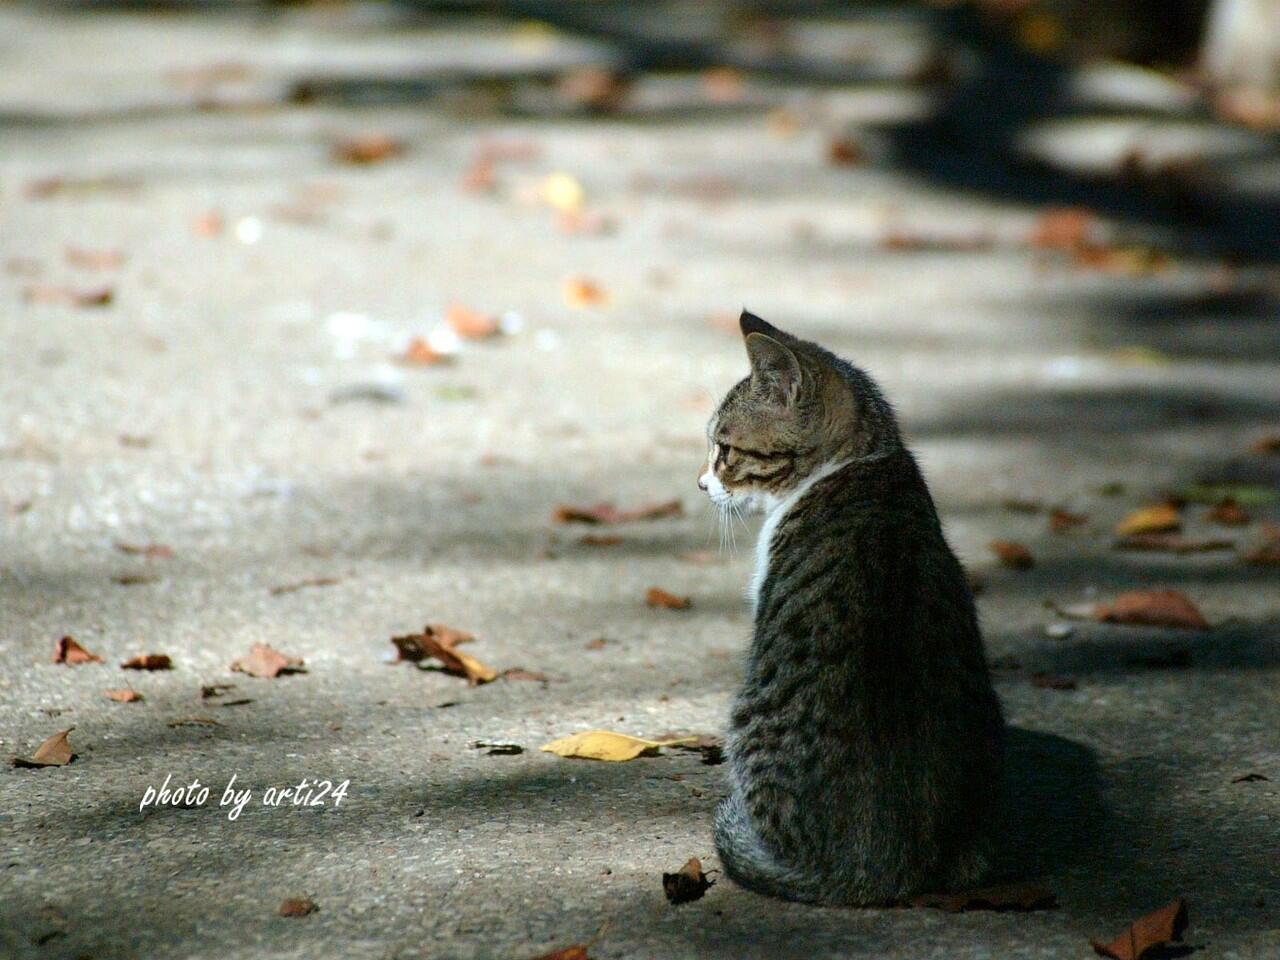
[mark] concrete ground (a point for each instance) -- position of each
(238, 402)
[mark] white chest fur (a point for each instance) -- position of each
(775, 510)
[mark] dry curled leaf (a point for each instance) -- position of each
(419, 353)
(56, 296)
(1152, 608)
(471, 324)
(580, 293)
(148, 661)
(657, 597)
(1147, 933)
(1014, 896)
(299, 907)
(440, 642)
(605, 745)
(366, 149)
(54, 752)
(845, 152)
(686, 884)
(607, 514)
(71, 653)
(1013, 555)
(500, 748)
(1171, 543)
(123, 696)
(267, 662)
(1162, 518)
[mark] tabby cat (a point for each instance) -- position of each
(865, 745)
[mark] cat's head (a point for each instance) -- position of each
(800, 408)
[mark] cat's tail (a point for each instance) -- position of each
(748, 863)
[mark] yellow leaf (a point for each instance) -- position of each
(605, 745)
(1161, 518)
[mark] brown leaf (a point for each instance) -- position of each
(686, 884)
(576, 952)
(123, 696)
(1013, 555)
(366, 149)
(605, 513)
(1065, 228)
(1145, 934)
(1014, 896)
(1052, 681)
(302, 584)
(440, 642)
(54, 752)
(69, 652)
(599, 643)
(498, 748)
(1060, 521)
(845, 152)
(419, 353)
(600, 540)
(1267, 444)
(299, 907)
(50, 295)
(471, 324)
(907, 241)
(581, 292)
(151, 551)
(1153, 608)
(1171, 543)
(148, 661)
(657, 597)
(267, 662)
(94, 259)
(1228, 513)
(1162, 518)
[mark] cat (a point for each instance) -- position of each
(866, 743)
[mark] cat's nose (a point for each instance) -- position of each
(702, 482)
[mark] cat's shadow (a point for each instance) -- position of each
(1051, 811)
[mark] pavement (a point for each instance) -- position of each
(238, 407)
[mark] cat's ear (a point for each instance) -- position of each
(775, 371)
(750, 323)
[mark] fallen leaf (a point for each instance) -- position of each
(1063, 228)
(71, 653)
(1013, 555)
(267, 662)
(605, 513)
(576, 952)
(1162, 518)
(1250, 778)
(845, 152)
(600, 540)
(1147, 933)
(599, 643)
(907, 241)
(1060, 521)
(366, 149)
(709, 746)
(215, 690)
(94, 259)
(54, 752)
(687, 884)
(1267, 444)
(1014, 896)
(439, 641)
(303, 584)
(1229, 514)
(581, 293)
(657, 597)
(151, 551)
(50, 295)
(123, 696)
(1171, 543)
(605, 745)
(1052, 681)
(499, 749)
(298, 907)
(420, 353)
(1153, 608)
(148, 661)
(471, 324)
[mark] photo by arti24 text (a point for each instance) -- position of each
(639, 481)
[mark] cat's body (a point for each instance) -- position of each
(865, 744)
